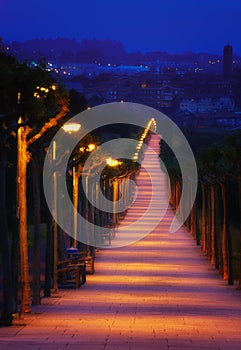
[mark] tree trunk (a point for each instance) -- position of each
(48, 255)
(15, 263)
(115, 199)
(226, 239)
(218, 241)
(171, 194)
(239, 194)
(75, 205)
(213, 228)
(197, 216)
(188, 221)
(203, 221)
(193, 216)
(194, 223)
(7, 309)
(224, 235)
(37, 220)
(24, 264)
(208, 223)
(174, 193)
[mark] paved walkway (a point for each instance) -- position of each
(159, 293)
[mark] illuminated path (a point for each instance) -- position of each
(159, 293)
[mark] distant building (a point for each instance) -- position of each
(207, 104)
(227, 62)
(159, 97)
(221, 119)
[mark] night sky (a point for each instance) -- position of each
(165, 25)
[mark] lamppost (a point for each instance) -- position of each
(69, 128)
(76, 174)
(114, 163)
(55, 227)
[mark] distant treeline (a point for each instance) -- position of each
(94, 51)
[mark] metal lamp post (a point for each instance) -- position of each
(69, 128)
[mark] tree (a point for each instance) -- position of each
(6, 315)
(7, 109)
(215, 165)
(32, 104)
(231, 155)
(50, 100)
(77, 102)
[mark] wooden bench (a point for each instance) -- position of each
(108, 235)
(68, 271)
(83, 257)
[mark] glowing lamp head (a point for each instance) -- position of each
(113, 162)
(71, 127)
(91, 147)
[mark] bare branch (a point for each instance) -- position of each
(48, 125)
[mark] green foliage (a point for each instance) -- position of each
(30, 93)
(40, 96)
(126, 166)
(8, 90)
(223, 158)
(77, 102)
(169, 162)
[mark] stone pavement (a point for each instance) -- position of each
(158, 293)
